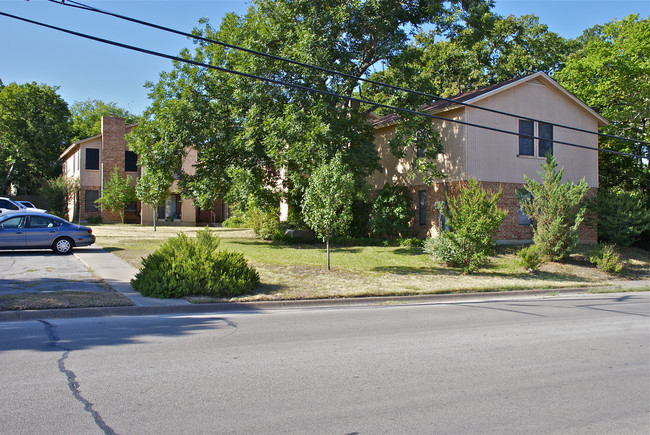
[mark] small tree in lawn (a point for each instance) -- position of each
(152, 188)
(557, 210)
(117, 194)
(473, 217)
(327, 205)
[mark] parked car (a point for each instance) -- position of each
(27, 204)
(34, 230)
(9, 205)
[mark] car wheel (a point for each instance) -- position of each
(62, 246)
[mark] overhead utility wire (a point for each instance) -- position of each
(300, 87)
(78, 5)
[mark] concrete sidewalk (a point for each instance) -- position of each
(117, 273)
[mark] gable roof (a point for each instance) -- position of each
(476, 95)
(75, 145)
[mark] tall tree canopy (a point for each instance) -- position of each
(611, 73)
(486, 51)
(258, 141)
(87, 117)
(34, 130)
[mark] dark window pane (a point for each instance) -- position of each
(546, 135)
(91, 197)
(92, 158)
(130, 161)
(422, 207)
(526, 146)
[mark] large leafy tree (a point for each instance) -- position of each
(257, 141)
(610, 73)
(34, 130)
(488, 50)
(87, 117)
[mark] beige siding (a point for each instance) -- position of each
(400, 171)
(492, 156)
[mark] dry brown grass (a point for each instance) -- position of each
(63, 299)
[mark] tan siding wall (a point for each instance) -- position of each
(399, 171)
(492, 156)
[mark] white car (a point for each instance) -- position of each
(8, 205)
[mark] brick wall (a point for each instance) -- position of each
(509, 231)
(112, 155)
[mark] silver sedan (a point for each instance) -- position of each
(33, 230)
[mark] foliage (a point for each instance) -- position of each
(610, 73)
(622, 217)
(327, 207)
(557, 210)
(606, 259)
(58, 193)
(34, 130)
(473, 217)
(488, 50)
(183, 267)
(87, 117)
(266, 225)
(392, 212)
(152, 188)
(258, 140)
(530, 258)
(117, 194)
(94, 219)
(447, 249)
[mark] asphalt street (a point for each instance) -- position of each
(560, 365)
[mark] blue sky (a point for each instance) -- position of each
(90, 70)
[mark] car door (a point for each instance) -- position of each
(12, 233)
(40, 232)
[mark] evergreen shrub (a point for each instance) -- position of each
(187, 267)
(530, 258)
(606, 259)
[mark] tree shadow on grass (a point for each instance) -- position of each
(113, 249)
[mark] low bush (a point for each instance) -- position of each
(606, 259)
(530, 258)
(445, 249)
(186, 267)
(94, 220)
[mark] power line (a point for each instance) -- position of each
(78, 5)
(305, 88)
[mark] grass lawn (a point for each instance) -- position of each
(299, 271)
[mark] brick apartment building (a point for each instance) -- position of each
(496, 159)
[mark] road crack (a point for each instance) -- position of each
(73, 384)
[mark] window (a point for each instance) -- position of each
(91, 197)
(130, 161)
(92, 158)
(131, 207)
(526, 133)
(14, 222)
(42, 222)
(527, 143)
(8, 205)
(546, 138)
(521, 217)
(422, 207)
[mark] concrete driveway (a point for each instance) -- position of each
(42, 271)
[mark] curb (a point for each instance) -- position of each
(229, 307)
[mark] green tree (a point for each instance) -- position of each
(472, 219)
(327, 206)
(152, 188)
(557, 210)
(486, 51)
(622, 217)
(118, 193)
(251, 135)
(610, 73)
(58, 193)
(87, 117)
(34, 130)
(392, 212)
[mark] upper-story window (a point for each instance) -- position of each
(92, 158)
(527, 143)
(130, 161)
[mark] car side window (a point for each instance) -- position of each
(40, 222)
(13, 223)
